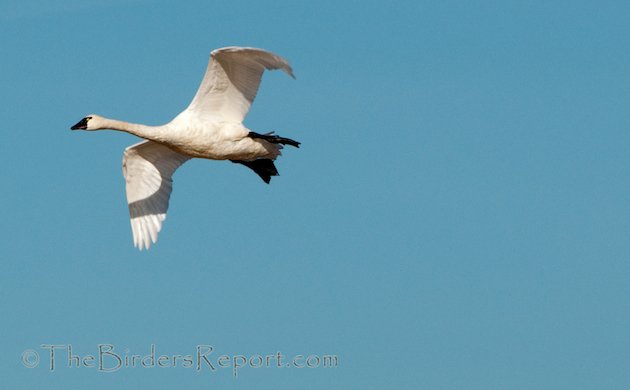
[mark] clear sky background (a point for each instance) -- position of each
(457, 218)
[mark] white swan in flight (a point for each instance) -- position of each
(211, 128)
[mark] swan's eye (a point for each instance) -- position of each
(88, 118)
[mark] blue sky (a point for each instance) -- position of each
(457, 217)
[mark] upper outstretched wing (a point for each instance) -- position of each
(148, 167)
(231, 82)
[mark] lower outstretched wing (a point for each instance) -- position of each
(148, 167)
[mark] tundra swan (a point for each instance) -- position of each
(210, 127)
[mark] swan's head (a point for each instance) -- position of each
(90, 122)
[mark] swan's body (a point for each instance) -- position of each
(211, 128)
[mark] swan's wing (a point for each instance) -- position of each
(231, 82)
(148, 167)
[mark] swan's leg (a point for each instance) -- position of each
(263, 167)
(274, 139)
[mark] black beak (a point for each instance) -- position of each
(82, 125)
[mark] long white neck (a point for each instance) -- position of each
(154, 133)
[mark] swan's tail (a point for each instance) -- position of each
(274, 139)
(263, 167)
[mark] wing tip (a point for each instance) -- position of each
(288, 70)
(232, 49)
(145, 230)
